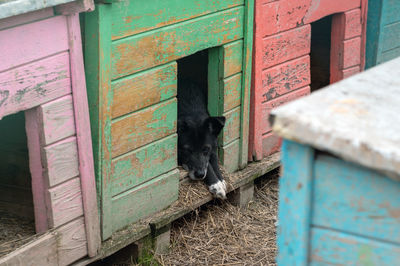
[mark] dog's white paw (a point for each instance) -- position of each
(218, 189)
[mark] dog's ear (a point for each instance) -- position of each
(215, 124)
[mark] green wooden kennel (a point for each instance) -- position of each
(131, 52)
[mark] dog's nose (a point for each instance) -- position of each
(199, 173)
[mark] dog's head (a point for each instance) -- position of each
(196, 142)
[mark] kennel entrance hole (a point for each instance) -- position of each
(16, 201)
(194, 67)
(320, 52)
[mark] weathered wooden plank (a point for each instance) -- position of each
(61, 161)
(232, 58)
(130, 18)
(32, 125)
(83, 136)
(370, 208)
(143, 127)
(232, 92)
(295, 204)
(391, 36)
(35, 40)
(337, 248)
(72, 243)
(30, 85)
(288, 45)
(143, 164)
(246, 83)
(390, 11)
(267, 107)
(285, 78)
(165, 45)
(352, 23)
(145, 199)
(323, 8)
(229, 156)
(388, 55)
(144, 89)
(58, 120)
(350, 72)
(98, 73)
(26, 18)
(64, 202)
(232, 126)
(27, 255)
(271, 143)
(351, 53)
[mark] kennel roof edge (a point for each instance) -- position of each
(355, 126)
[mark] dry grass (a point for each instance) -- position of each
(14, 232)
(222, 234)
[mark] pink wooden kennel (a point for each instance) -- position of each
(300, 46)
(42, 82)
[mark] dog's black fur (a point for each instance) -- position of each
(197, 136)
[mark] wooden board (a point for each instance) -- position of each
(232, 91)
(33, 84)
(144, 200)
(61, 161)
(338, 248)
(130, 18)
(367, 205)
(72, 243)
(143, 127)
(288, 45)
(232, 58)
(53, 39)
(164, 45)
(232, 126)
(45, 245)
(64, 202)
(229, 156)
(144, 89)
(58, 120)
(141, 165)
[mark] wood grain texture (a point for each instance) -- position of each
(53, 39)
(83, 134)
(131, 18)
(229, 156)
(232, 126)
(352, 23)
(338, 248)
(232, 92)
(64, 202)
(288, 45)
(144, 89)
(144, 200)
(58, 120)
(246, 82)
(323, 8)
(232, 58)
(367, 205)
(143, 164)
(36, 166)
(27, 255)
(268, 106)
(98, 76)
(61, 161)
(143, 127)
(31, 85)
(285, 78)
(295, 194)
(161, 46)
(72, 243)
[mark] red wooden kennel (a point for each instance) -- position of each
(282, 47)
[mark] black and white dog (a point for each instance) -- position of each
(197, 137)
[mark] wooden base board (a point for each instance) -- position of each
(139, 230)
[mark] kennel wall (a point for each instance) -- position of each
(341, 180)
(281, 64)
(131, 48)
(42, 88)
(383, 31)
